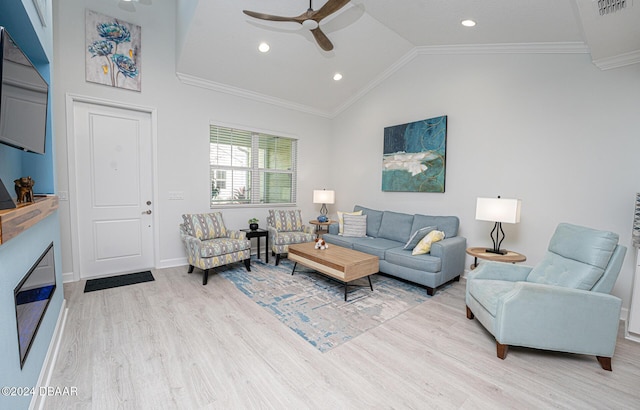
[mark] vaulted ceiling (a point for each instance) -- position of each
(218, 44)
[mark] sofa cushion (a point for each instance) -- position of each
(355, 225)
(395, 226)
(345, 242)
(375, 246)
(205, 226)
(286, 221)
(447, 224)
(403, 257)
(223, 246)
(417, 236)
(374, 218)
(287, 238)
(341, 219)
(489, 292)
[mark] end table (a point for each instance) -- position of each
(259, 233)
(481, 252)
(321, 226)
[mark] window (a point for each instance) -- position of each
(250, 167)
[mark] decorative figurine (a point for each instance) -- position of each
(323, 218)
(24, 189)
(321, 244)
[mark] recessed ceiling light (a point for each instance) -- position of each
(264, 47)
(468, 23)
(337, 77)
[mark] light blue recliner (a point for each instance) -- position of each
(562, 304)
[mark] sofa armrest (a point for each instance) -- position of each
(558, 318)
(334, 228)
(451, 252)
(500, 271)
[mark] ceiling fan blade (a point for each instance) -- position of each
(322, 40)
(329, 8)
(270, 17)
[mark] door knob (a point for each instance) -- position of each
(148, 202)
(148, 212)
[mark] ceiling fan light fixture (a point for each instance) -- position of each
(310, 24)
(337, 77)
(468, 23)
(264, 47)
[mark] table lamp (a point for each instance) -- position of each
(324, 197)
(498, 210)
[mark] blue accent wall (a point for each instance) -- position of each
(19, 254)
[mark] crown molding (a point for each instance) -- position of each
(507, 48)
(251, 95)
(620, 60)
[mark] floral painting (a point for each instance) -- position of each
(414, 156)
(112, 51)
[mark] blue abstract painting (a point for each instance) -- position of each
(414, 156)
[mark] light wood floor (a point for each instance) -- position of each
(176, 344)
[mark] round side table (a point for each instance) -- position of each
(322, 227)
(481, 252)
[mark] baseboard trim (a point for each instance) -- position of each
(37, 400)
(172, 263)
(68, 277)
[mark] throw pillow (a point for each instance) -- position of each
(418, 235)
(424, 246)
(341, 219)
(355, 226)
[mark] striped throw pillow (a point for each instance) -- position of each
(355, 225)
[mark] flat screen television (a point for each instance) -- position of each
(32, 297)
(23, 99)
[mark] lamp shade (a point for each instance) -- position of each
(323, 196)
(498, 210)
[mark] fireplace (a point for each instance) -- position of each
(32, 297)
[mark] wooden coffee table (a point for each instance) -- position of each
(340, 263)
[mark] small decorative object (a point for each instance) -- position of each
(323, 218)
(253, 223)
(24, 189)
(113, 54)
(321, 244)
(414, 156)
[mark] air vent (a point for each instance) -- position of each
(612, 6)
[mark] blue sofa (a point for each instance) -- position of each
(387, 234)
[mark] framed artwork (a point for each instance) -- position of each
(414, 156)
(112, 52)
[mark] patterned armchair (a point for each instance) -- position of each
(210, 244)
(286, 228)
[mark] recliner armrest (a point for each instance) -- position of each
(500, 271)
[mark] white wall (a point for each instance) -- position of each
(184, 113)
(552, 130)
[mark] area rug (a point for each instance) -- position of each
(116, 281)
(313, 305)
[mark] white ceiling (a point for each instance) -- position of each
(372, 38)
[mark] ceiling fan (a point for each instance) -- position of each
(310, 20)
(129, 4)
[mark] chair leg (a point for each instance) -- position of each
(469, 313)
(277, 259)
(247, 264)
(431, 291)
(502, 350)
(190, 269)
(605, 362)
(205, 277)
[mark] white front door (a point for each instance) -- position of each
(114, 189)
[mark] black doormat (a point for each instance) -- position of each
(116, 281)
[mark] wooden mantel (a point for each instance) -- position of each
(15, 221)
